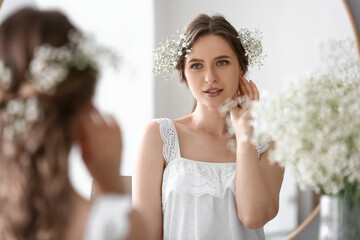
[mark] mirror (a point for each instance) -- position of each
(291, 32)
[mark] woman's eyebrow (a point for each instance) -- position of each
(222, 56)
(195, 60)
(201, 60)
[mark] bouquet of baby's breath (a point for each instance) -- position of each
(315, 123)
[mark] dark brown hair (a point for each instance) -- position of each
(204, 25)
(34, 184)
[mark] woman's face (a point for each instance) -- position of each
(212, 71)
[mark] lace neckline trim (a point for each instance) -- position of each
(171, 147)
(202, 162)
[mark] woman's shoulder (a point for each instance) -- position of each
(152, 143)
(152, 129)
(167, 123)
(156, 129)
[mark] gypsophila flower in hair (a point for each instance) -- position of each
(169, 51)
(5, 76)
(167, 54)
(19, 114)
(51, 65)
(251, 41)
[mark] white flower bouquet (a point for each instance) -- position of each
(315, 123)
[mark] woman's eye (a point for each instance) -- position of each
(222, 62)
(196, 66)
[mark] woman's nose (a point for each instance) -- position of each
(210, 75)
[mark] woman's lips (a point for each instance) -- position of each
(213, 92)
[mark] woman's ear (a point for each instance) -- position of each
(183, 75)
(240, 76)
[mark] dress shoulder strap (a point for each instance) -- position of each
(169, 135)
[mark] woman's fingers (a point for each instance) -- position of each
(249, 89)
(88, 119)
(95, 130)
(101, 146)
(93, 122)
(113, 126)
(256, 95)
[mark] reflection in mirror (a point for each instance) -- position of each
(127, 93)
(291, 31)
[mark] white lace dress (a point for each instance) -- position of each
(198, 200)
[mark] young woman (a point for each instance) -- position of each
(187, 183)
(47, 80)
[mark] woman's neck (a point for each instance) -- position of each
(209, 120)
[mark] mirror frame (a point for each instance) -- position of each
(353, 10)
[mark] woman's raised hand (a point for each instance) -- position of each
(248, 89)
(240, 115)
(99, 137)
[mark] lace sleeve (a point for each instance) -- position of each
(108, 218)
(169, 135)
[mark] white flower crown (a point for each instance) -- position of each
(19, 114)
(167, 54)
(252, 44)
(49, 67)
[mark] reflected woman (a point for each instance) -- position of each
(47, 81)
(187, 183)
